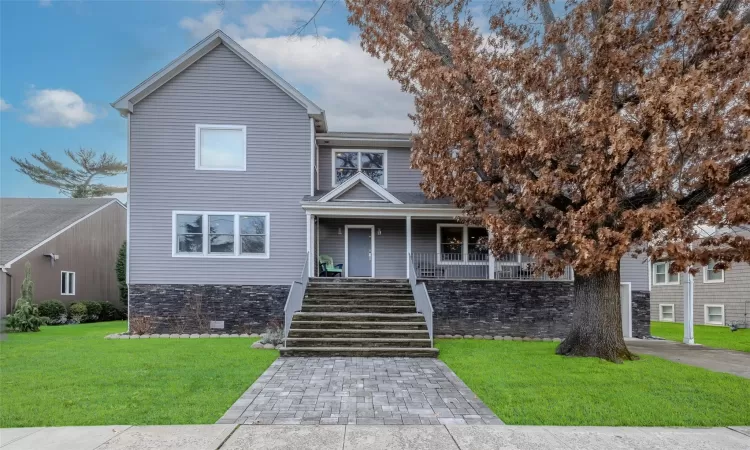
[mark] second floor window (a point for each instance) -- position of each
(220, 147)
(348, 163)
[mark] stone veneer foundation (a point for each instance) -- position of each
(532, 309)
(243, 309)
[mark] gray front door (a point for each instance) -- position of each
(360, 252)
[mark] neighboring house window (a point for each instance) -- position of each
(714, 314)
(461, 243)
(347, 163)
(221, 234)
(67, 283)
(666, 312)
(711, 276)
(662, 275)
(220, 147)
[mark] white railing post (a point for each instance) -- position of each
(687, 317)
(408, 245)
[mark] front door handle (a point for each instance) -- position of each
(369, 256)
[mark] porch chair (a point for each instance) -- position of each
(328, 268)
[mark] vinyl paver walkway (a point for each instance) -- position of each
(362, 391)
(368, 437)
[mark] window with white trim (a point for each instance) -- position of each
(346, 164)
(461, 243)
(220, 147)
(666, 312)
(67, 283)
(713, 314)
(712, 276)
(662, 275)
(221, 234)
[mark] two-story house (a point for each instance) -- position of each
(236, 184)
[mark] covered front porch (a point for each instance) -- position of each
(435, 246)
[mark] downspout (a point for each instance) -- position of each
(10, 283)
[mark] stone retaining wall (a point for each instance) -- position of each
(180, 308)
(533, 309)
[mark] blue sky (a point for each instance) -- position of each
(62, 63)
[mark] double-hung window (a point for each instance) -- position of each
(666, 312)
(712, 276)
(462, 243)
(713, 314)
(220, 147)
(662, 275)
(221, 234)
(67, 283)
(346, 164)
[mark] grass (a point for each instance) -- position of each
(525, 383)
(71, 375)
(710, 336)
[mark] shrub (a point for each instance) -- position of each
(274, 334)
(141, 325)
(26, 316)
(110, 312)
(77, 312)
(120, 269)
(54, 311)
(93, 311)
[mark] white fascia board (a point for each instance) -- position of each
(9, 263)
(353, 181)
(125, 103)
(379, 210)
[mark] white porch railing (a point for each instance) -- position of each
(296, 294)
(421, 298)
(463, 266)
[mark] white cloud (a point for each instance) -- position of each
(57, 108)
(4, 106)
(349, 84)
(45, 3)
(336, 73)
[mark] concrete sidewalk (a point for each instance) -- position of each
(716, 359)
(367, 437)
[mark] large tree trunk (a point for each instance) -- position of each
(597, 321)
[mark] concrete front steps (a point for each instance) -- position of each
(358, 317)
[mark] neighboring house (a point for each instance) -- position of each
(72, 246)
(719, 297)
(236, 183)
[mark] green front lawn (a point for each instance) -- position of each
(525, 383)
(71, 375)
(710, 336)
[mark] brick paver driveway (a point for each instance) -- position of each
(338, 390)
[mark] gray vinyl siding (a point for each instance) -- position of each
(222, 89)
(634, 271)
(401, 178)
(733, 293)
(390, 245)
(359, 192)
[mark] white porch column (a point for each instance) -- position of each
(310, 248)
(491, 270)
(408, 246)
(687, 297)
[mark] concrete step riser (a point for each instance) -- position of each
(359, 297)
(360, 309)
(359, 317)
(367, 334)
(375, 352)
(384, 289)
(367, 344)
(328, 325)
(341, 280)
(354, 302)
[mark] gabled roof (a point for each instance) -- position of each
(364, 180)
(27, 222)
(125, 103)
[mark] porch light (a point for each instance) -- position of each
(380, 231)
(339, 230)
